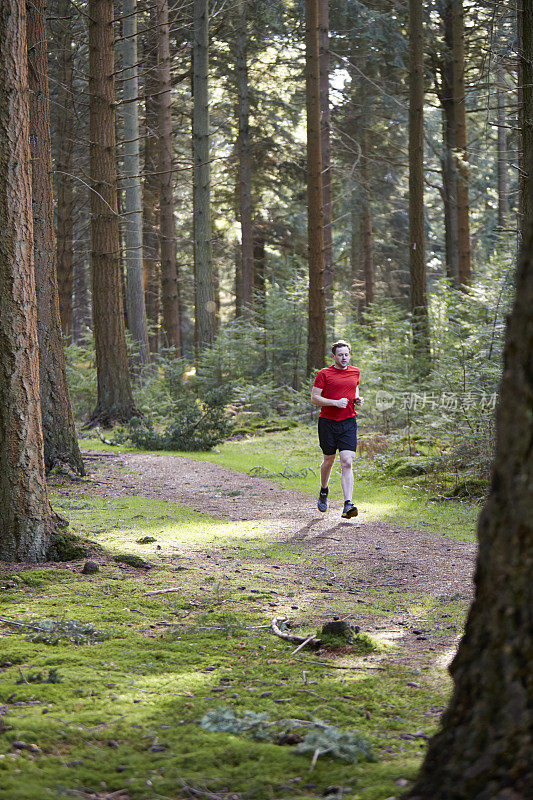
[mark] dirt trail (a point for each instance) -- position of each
(384, 554)
(404, 571)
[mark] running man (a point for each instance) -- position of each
(336, 390)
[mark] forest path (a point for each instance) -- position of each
(407, 587)
(384, 554)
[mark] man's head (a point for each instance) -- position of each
(341, 353)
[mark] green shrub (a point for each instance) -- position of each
(194, 424)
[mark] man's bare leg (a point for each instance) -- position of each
(346, 458)
(325, 470)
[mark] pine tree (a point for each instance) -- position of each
(25, 513)
(60, 440)
(115, 399)
(316, 346)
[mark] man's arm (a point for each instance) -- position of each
(318, 400)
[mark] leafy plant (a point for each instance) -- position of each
(346, 745)
(53, 631)
(38, 677)
(194, 424)
(224, 720)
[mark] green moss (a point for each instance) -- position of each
(132, 560)
(66, 546)
(173, 657)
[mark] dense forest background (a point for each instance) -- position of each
(218, 191)
(227, 260)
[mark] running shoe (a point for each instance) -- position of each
(349, 510)
(323, 500)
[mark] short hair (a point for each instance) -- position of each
(340, 343)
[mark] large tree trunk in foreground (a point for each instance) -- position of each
(463, 203)
(59, 433)
(205, 306)
(25, 513)
(115, 400)
(417, 258)
(169, 273)
(133, 218)
(485, 748)
(316, 341)
(65, 142)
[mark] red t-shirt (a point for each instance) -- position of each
(336, 383)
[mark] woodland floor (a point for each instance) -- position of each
(360, 554)
(228, 552)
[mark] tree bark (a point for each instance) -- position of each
(205, 306)
(259, 268)
(463, 222)
(152, 277)
(115, 399)
(325, 131)
(169, 272)
(448, 161)
(417, 259)
(244, 159)
(81, 307)
(316, 343)
(133, 218)
(525, 103)
(484, 750)
(366, 226)
(356, 271)
(64, 189)
(59, 432)
(25, 513)
(503, 184)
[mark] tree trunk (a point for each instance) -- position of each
(417, 259)
(485, 748)
(325, 129)
(366, 225)
(448, 161)
(463, 223)
(316, 343)
(503, 184)
(133, 218)
(525, 103)
(169, 271)
(245, 159)
(205, 307)
(81, 307)
(356, 272)
(152, 275)
(25, 513)
(59, 433)
(64, 139)
(115, 400)
(259, 269)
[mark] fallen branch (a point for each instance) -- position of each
(293, 637)
(103, 439)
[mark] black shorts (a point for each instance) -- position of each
(336, 435)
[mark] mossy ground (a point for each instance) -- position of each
(126, 713)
